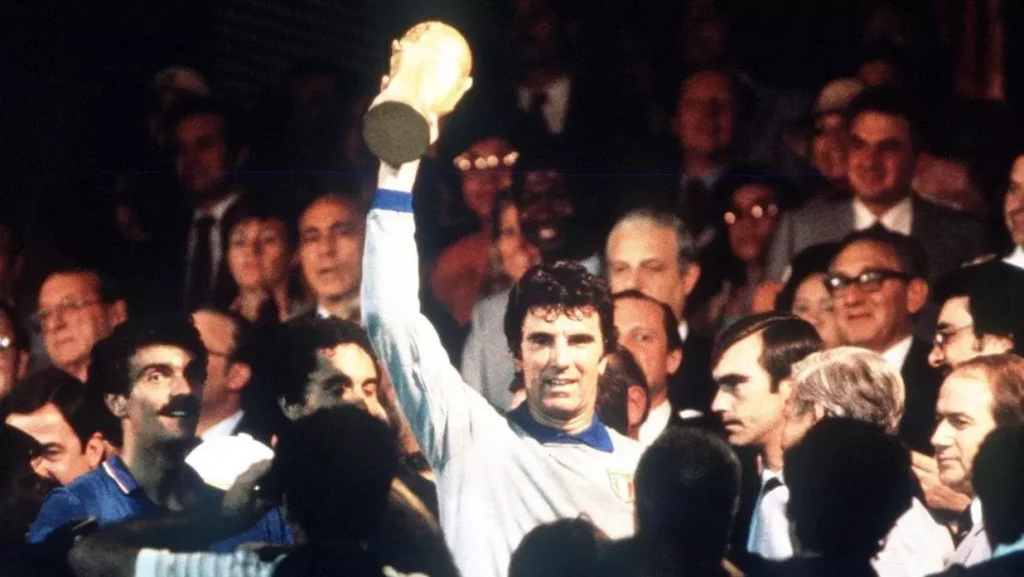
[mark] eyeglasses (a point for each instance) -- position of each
(869, 281)
(943, 337)
(756, 212)
(66, 306)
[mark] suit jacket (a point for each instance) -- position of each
(974, 549)
(1009, 566)
(486, 361)
(948, 237)
(692, 387)
(922, 386)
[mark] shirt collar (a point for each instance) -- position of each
(217, 210)
(655, 424)
(224, 428)
(115, 468)
(896, 355)
(595, 436)
(977, 519)
(899, 218)
(1016, 258)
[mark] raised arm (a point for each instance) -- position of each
(443, 412)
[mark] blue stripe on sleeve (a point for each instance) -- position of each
(395, 200)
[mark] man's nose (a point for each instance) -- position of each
(941, 436)
(936, 358)
(560, 353)
(720, 403)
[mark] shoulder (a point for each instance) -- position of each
(943, 214)
(493, 304)
(625, 448)
(814, 213)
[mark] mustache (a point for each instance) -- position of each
(183, 403)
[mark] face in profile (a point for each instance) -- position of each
(331, 234)
(750, 406)
(1013, 204)
(63, 458)
(955, 338)
(828, 147)
(560, 358)
(965, 418)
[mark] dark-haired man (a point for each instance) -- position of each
(878, 284)
(76, 307)
(149, 373)
(551, 458)
(75, 435)
(751, 400)
(884, 144)
(980, 313)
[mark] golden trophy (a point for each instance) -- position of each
(430, 71)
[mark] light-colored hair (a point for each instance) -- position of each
(850, 382)
(686, 248)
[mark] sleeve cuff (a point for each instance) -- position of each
(394, 200)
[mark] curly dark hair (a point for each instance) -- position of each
(560, 288)
(108, 368)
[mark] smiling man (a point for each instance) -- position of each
(877, 282)
(499, 477)
(149, 374)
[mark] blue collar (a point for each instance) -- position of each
(115, 468)
(595, 436)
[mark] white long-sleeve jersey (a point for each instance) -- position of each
(495, 481)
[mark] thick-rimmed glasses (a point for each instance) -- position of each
(869, 281)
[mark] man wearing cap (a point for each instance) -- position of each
(883, 150)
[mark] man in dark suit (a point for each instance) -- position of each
(999, 480)
(652, 251)
(752, 360)
(187, 253)
(229, 342)
(878, 284)
(882, 155)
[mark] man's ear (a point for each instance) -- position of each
(786, 387)
(636, 405)
(673, 361)
(691, 277)
(95, 450)
(118, 313)
(117, 404)
(917, 295)
(39, 468)
(238, 376)
(603, 364)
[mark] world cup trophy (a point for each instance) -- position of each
(429, 72)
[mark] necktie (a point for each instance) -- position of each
(535, 114)
(694, 206)
(964, 524)
(770, 485)
(877, 227)
(201, 270)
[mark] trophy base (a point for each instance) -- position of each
(395, 133)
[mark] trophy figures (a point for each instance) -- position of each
(430, 71)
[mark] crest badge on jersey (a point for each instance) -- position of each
(622, 485)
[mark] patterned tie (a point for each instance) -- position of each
(201, 272)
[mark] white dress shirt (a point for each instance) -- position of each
(896, 355)
(217, 211)
(899, 218)
(657, 420)
(224, 428)
(1016, 258)
(556, 108)
(769, 526)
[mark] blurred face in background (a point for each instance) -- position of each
(258, 253)
(331, 248)
(546, 210)
(812, 303)
(706, 114)
(645, 256)
(751, 221)
(203, 157)
(881, 157)
(828, 147)
(514, 253)
(1013, 205)
(485, 170)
